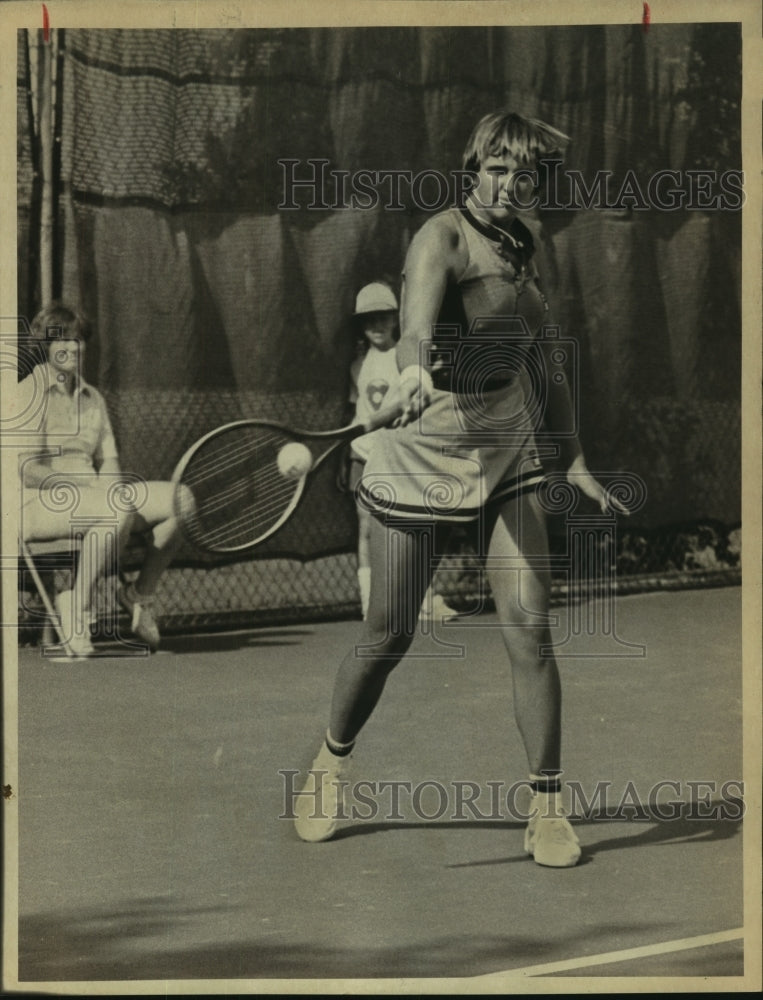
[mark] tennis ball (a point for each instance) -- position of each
(294, 460)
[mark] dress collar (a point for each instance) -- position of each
(517, 240)
(51, 381)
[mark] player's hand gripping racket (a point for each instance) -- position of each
(238, 484)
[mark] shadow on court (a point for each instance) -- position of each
(102, 945)
(220, 642)
(658, 833)
(154, 839)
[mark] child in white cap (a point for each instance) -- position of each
(374, 372)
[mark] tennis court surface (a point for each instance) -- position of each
(150, 793)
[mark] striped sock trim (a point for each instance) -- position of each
(339, 749)
(549, 783)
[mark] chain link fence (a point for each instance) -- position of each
(212, 304)
(275, 587)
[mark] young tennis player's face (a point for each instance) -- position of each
(504, 186)
(379, 329)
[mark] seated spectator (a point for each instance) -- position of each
(74, 479)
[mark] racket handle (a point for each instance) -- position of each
(383, 418)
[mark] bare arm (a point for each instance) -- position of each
(560, 423)
(558, 409)
(38, 471)
(34, 465)
(105, 459)
(435, 256)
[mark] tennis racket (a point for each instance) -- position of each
(231, 492)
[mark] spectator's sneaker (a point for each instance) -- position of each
(142, 622)
(437, 610)
(320, 802)
(80, 646)
(552, 841)
(75, 630)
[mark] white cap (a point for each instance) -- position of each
(375, 297)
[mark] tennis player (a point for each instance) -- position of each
(77, 452)
(466, 450)
(373, 374)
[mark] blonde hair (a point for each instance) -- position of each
(503, 132)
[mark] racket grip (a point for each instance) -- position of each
(384, 417)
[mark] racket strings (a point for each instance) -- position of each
(218, 457)
(242, 487)
(258, 512)
(239, 493)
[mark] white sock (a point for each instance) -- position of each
(364, 583)
(548, 803)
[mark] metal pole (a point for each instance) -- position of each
(46, 165)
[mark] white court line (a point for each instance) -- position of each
(646, 951)
(394, 987)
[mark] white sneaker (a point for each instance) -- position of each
(75, 628)
(320, 803)
(141, 610)
(437, 610)
(552, 841)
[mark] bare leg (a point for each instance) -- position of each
(106, 531)
(401, 568)
(365, 519)
(364, 557)
(158, 514)
(364, 536)
(521, 591)
(400, 571)
(521, 587)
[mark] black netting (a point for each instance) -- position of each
(212, 302)
(275, 591)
